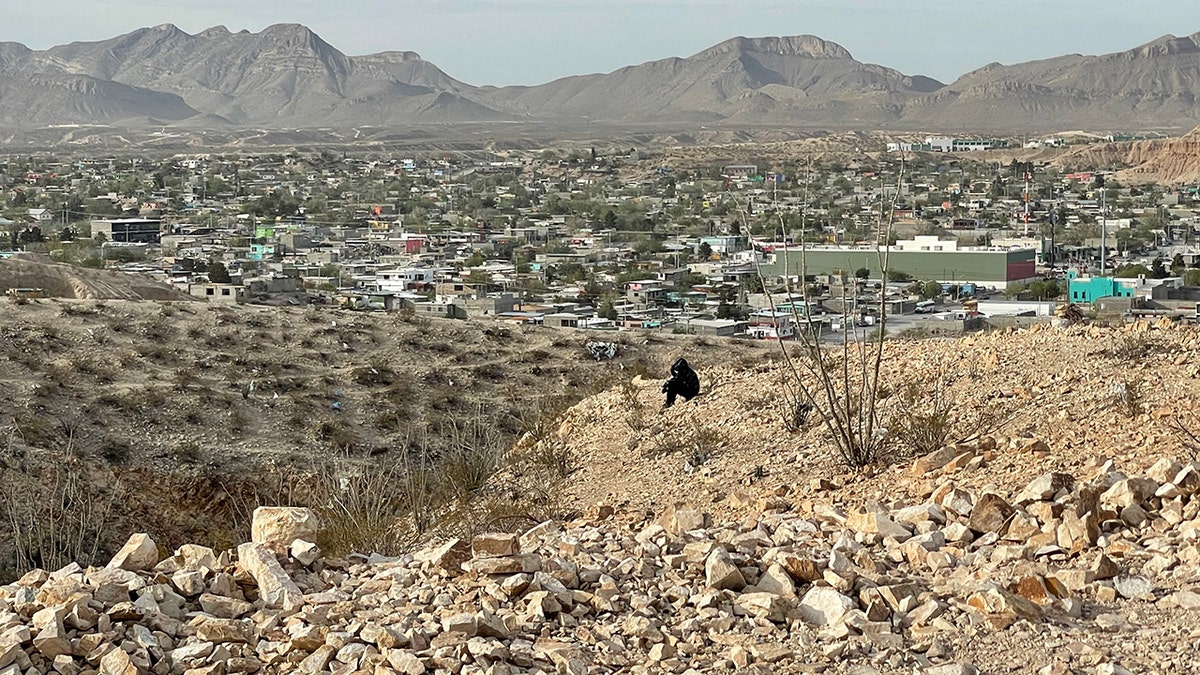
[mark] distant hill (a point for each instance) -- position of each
(1154, 85)
(287, 77)
(58, 280)
(284, 76)
(799, 80)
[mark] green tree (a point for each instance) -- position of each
(1158, 270)
(899, 277)
(1191, 278)
(217, 273)
(1045, 290)
(475, 259)
(862, 273)
(1132, 271)
(705, 251)
(1177, 265)
(591, 289)
(931, 289)
(608, 308)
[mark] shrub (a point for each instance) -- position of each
(635, 410)
(1135, 346)
(922, 421)
(1126, 397)
(56, 512)
(696, 441)
(925, 417)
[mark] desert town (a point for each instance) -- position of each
(621, 240)
(759, 360)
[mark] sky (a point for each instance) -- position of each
(504, 42)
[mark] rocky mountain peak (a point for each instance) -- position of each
(214, 32)
(396, 57)
(799, 45)
(1169, 45)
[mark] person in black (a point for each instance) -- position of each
(683, 383)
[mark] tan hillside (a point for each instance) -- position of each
(1063, 537)
(1170, 161)
(1054, 386)
(59, 280)
(192, 412)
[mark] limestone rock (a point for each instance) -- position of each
(933, 461)
(800, 567)
(678, 519)
(823, 606)
(874, 522)
(211, 629)
(304, 552)
(276, 589)
(776, 580)
(117, 662)
(1044, 488)
(720, 572)
(139, 553)
(276, 527)
(448, 556)
(224, 607)
(990, 514)
(405, 662)
(51, 640)
(1134, 587)
(1128, 492)
(496, 544)
(1001, 608)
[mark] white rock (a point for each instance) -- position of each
(823, 606)
(276, 589)
(276, 527)
(138, 554)
(304, 552)
(721, 573)
(1134, 587)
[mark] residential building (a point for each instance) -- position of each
(646, 292)
(129, 230)
(717, 327)
(768, 325)
(221, 293)
(924, 258)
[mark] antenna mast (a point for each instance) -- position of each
(1026, 203)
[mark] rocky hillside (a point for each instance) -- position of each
(1056, 529)
(802, 81)
(1057, 576)
(284, 76)
(1170, 161)
(287, 77)
(178, 417)
(58, 280)
(1154, 85)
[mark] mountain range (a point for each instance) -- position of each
(287, 77)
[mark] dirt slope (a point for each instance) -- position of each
(68, 281)
(197, 410)
(729, 448)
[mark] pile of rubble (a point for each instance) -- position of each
(1067, 566)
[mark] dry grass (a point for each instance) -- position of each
(924, 417)
(57, 515)
(459, 477)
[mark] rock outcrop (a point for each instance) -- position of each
(932, 587)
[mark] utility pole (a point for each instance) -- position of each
(1103, 223)
(1026, 203)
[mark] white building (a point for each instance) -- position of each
(401, 279)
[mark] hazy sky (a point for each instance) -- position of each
(533, 41)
